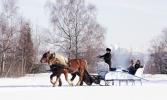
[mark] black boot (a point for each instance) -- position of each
(112, 69)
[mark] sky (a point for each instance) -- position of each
(130, 24)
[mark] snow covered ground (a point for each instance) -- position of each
(38, 87)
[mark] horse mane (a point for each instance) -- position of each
(63, 60)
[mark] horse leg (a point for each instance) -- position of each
(51, 78)
(73, 76)
(60, 82)
(80, 82)
(66, 77)
(57, 80)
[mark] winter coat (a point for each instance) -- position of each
(132, 70)
(137, 66)
(107, 58)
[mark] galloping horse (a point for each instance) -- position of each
(73, 66)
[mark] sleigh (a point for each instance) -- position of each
(118, 77)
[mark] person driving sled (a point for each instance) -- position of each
(107, 58)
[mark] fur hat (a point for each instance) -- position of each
(108, 49)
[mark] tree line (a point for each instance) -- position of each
(74, 31)
(17, 52)
(157, 62)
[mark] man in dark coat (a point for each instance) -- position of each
(107, 58)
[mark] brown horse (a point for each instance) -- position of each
(73, 66)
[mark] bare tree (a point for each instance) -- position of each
(7, 30)
(92, 43)
(72, 21)
(158, 57)
(77, 31)
(17, 53)
(26, 48)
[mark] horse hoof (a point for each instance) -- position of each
(71, 84)
(54, 85)
(78, 84)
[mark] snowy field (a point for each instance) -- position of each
(38, 87)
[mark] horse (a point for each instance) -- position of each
(57, 68)
(65, 66)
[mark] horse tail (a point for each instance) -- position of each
(87, 78)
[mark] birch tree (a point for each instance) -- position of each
(73, 21)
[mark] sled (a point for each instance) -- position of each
(118, 77)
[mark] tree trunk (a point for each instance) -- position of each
(3, 63)
(22, 64)
(76, 47)
(69, 55)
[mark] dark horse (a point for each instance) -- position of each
(62, 65)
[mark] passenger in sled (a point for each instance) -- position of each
(133, 67)
(107, 58)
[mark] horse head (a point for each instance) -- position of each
(45, 57)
